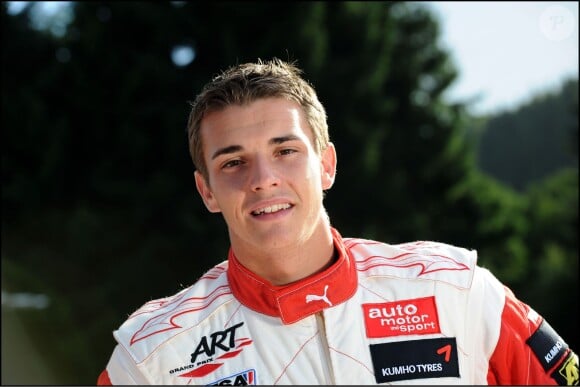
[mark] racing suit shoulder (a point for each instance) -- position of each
(415, 260)
(157, 321)
(529, 351)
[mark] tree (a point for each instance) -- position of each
(531, 142)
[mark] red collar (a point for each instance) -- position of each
(300, 299)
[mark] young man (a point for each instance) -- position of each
(295, 302)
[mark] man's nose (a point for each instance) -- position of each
(264, 175)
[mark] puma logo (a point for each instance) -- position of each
(314, 297)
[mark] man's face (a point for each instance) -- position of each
(264, 175)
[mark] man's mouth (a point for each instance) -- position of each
(271, 209)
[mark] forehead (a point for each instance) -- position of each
(261, 119)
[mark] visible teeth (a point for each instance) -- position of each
(269, 210)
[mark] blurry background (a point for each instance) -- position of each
(99, 208)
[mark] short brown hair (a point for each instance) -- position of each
(246, 83)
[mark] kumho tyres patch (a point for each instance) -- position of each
(547, 345)
(415, 359)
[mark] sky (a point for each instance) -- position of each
(505, 52)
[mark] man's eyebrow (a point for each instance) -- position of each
(226, 150)
(283, 139)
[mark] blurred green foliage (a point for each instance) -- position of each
(528, 144)
(99, 207)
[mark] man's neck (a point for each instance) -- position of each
(284, 265)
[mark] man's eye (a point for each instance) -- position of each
(284, 152)
(231, 164)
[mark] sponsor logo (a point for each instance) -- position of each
(222, 340)
(547, 345)
(245, 378)
(553, 352)
(212, 350)
(567, 374)
(314, 297)
(406, 317)
(415, 359)
(412, 369)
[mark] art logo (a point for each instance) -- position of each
(406, 317)
(212, 350)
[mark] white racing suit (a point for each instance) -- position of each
(415, 313)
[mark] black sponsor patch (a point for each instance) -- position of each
(547, 345)
(567, 374)
(415, 359)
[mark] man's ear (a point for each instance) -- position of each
(328, 165)
(205, 192)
